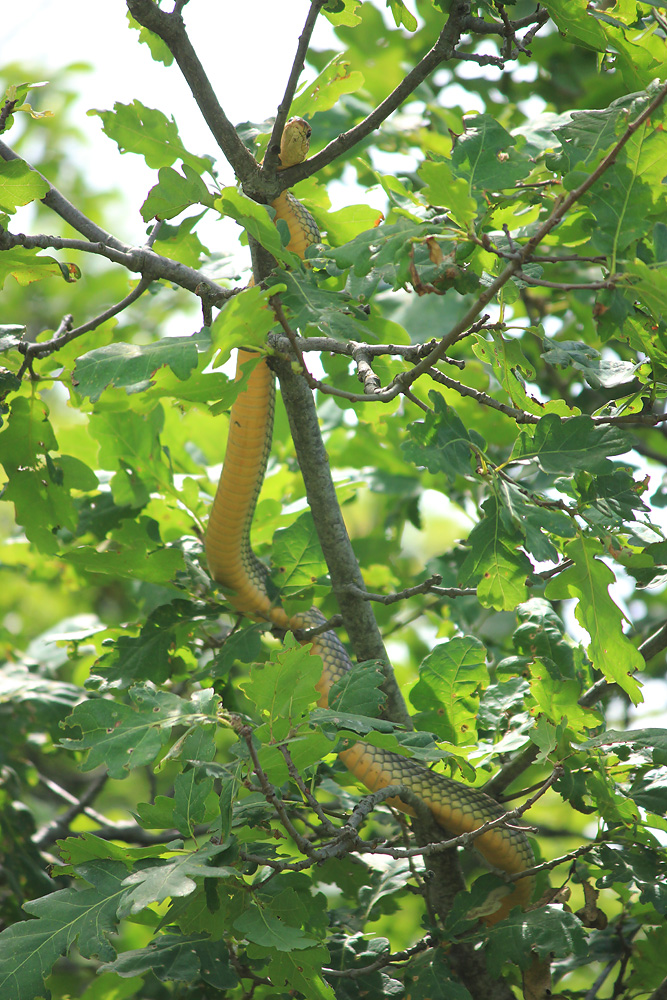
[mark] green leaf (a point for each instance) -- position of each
(512, 369)
(441, 442)
(256, 221)
(573, 19)
(536, 521)
(151, 655)
(451, 679)
(324, 92)
(636, 864)
(648, 283)
(243, 322)
(444, 187)
(358, 724)
(549, 931)
(27, 266)
(428, 977)
(161, 879)
(545, 736)
(302, 973)
(342, 12)
(157, 815)
(284, 690)
(87, 847)
(402, 15)
(136, 554)
(146, 131)
(130, 366)
(597, 370)
(500, 701)
(629, 192)
(159, 49)
(476, 157)
(29, 949)
(192, 793)
(123, 737)
(19, 185)
(557, 698)
(359, 691)
(334, 313)
(174, 193)
(298, 563)
(268, 924)
(653, 739)
(307, 750)
(588, 580)
(347, 223)
(614, 500)
(179, 958)
(561, 446)
(495, 564)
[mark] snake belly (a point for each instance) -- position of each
(457, 808)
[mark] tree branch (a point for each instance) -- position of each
(333, 537)
(523, 255)
(59, 204)
(41, 350)
(141, 260)
(273, 149)
(171, 29)
(441, 52)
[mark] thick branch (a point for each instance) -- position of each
(333, 537)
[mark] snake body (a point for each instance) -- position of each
(456, 807)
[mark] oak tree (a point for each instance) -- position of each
(476, 377)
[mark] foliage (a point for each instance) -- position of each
(174, 816)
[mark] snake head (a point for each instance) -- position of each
(295, 142)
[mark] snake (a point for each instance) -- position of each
(456, 808)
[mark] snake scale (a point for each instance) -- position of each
(457, 808)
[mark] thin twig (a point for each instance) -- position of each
(273, 149)
(7, 109)
(328, 625)
(518, 415)
(40, 350)
(566, 286)
(546, 866)
(269, 793)
(60, 827)
(305, 791)
(389, 958)
(365, 373)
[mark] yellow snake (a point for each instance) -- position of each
(456, 807)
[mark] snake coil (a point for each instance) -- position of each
(457, 808)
